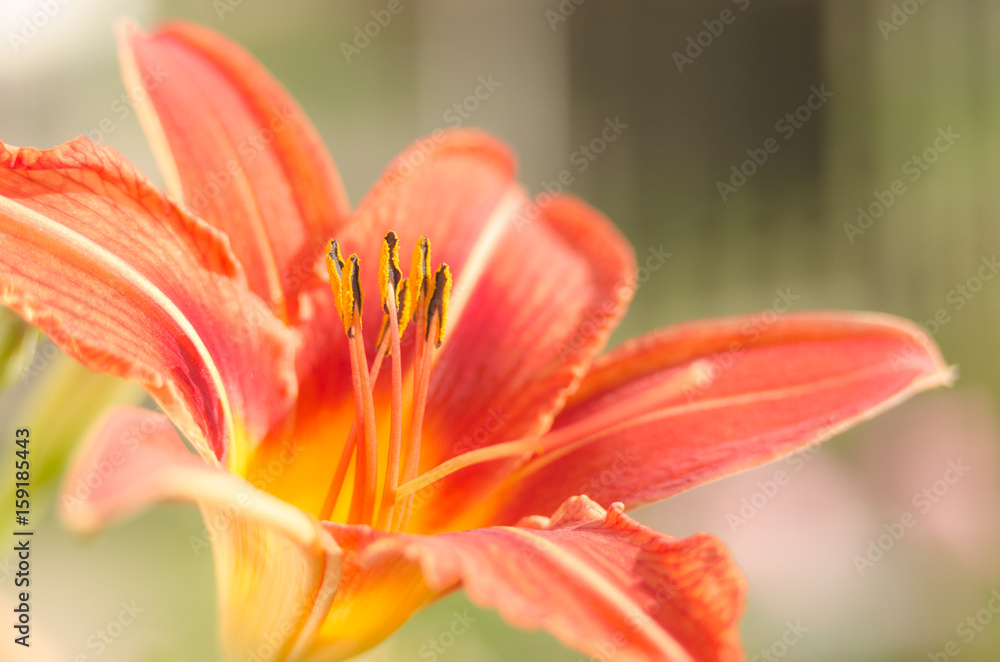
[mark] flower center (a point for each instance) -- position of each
(423, 296)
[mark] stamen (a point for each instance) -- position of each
(419, 296)
(412, 465)
(418, 285)
(520, 447)
(347, 454)
(389, 275)
(366, 468)
(335, 271)
(436, 316)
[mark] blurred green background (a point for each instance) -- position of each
(904, 124)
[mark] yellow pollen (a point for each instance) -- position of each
(404, 310)
(389, 277)
(388, 268)
(351, 300)
(420, 270)
(335, 270)
(437, 309)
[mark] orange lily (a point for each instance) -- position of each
(500, 452)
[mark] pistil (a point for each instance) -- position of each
(396, 310)
(348, 298)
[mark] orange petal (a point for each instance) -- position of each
(275, 566)
(127, 283)
(637, 431)
(238, 150)
(598, 581)
(543, 307)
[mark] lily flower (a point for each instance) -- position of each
(500, 449)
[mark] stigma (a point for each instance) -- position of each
(422, 298)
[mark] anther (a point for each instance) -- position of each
(352, 299)
(420, 271)
(335, 269)
(388, 268)
(437, 309)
